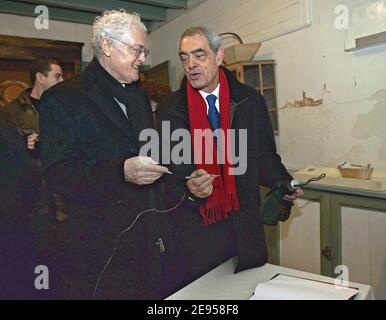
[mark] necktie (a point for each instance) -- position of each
(213, 114)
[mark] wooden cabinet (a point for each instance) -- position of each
(261, 76)
(332, 227)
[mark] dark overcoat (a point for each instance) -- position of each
(85, 139)
(201, 248)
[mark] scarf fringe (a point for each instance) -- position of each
(220, 212)
(231, 203)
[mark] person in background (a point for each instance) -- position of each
(156, 92)
(90, 128)
(220, 217)
(23, 113)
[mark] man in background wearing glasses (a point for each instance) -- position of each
(90, 128)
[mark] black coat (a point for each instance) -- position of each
(243, 234)
(19, 185)
(85, 139)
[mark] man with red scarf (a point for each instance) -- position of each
(220, 217)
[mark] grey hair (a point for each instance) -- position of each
(114, 25)
(213, 38)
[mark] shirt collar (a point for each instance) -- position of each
(216, 92)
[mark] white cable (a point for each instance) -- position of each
(126, 230)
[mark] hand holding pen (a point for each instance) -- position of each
(200, 183)
(143, 170)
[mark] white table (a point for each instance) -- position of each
(222, 284)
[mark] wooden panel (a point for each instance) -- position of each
(17, 70)
(300, 237)
(356, 244)
(378, 253)
(359, 225)
(364, 247)
(39, 43)
(12, 47)
(158, 73)
(16, 54)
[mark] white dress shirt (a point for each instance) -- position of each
(216, 92)
(121, 105)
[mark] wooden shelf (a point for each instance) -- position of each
(257, 75)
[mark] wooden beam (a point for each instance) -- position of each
(21, 48)
(25, 9)
(171, 4)
(98, 6)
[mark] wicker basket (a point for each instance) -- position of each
(358, 172)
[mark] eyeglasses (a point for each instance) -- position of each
(138, 49)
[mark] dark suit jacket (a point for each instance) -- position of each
(85, 139)
(207, 247)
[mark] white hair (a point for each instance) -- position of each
(114, 25)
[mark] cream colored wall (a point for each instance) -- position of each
(58, 30)
(350, 123)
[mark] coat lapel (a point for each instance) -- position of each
(109, 108)
(234, 106)
(140, 113)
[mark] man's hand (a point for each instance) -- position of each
(299, 192)
(32, 139)
(200, 185)
(142, 170)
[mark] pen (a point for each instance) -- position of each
(191, 177)
(166, 171)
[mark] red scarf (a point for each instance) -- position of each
(223, 199)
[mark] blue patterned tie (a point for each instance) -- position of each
(213, 114)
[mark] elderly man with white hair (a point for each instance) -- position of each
(90, 128)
